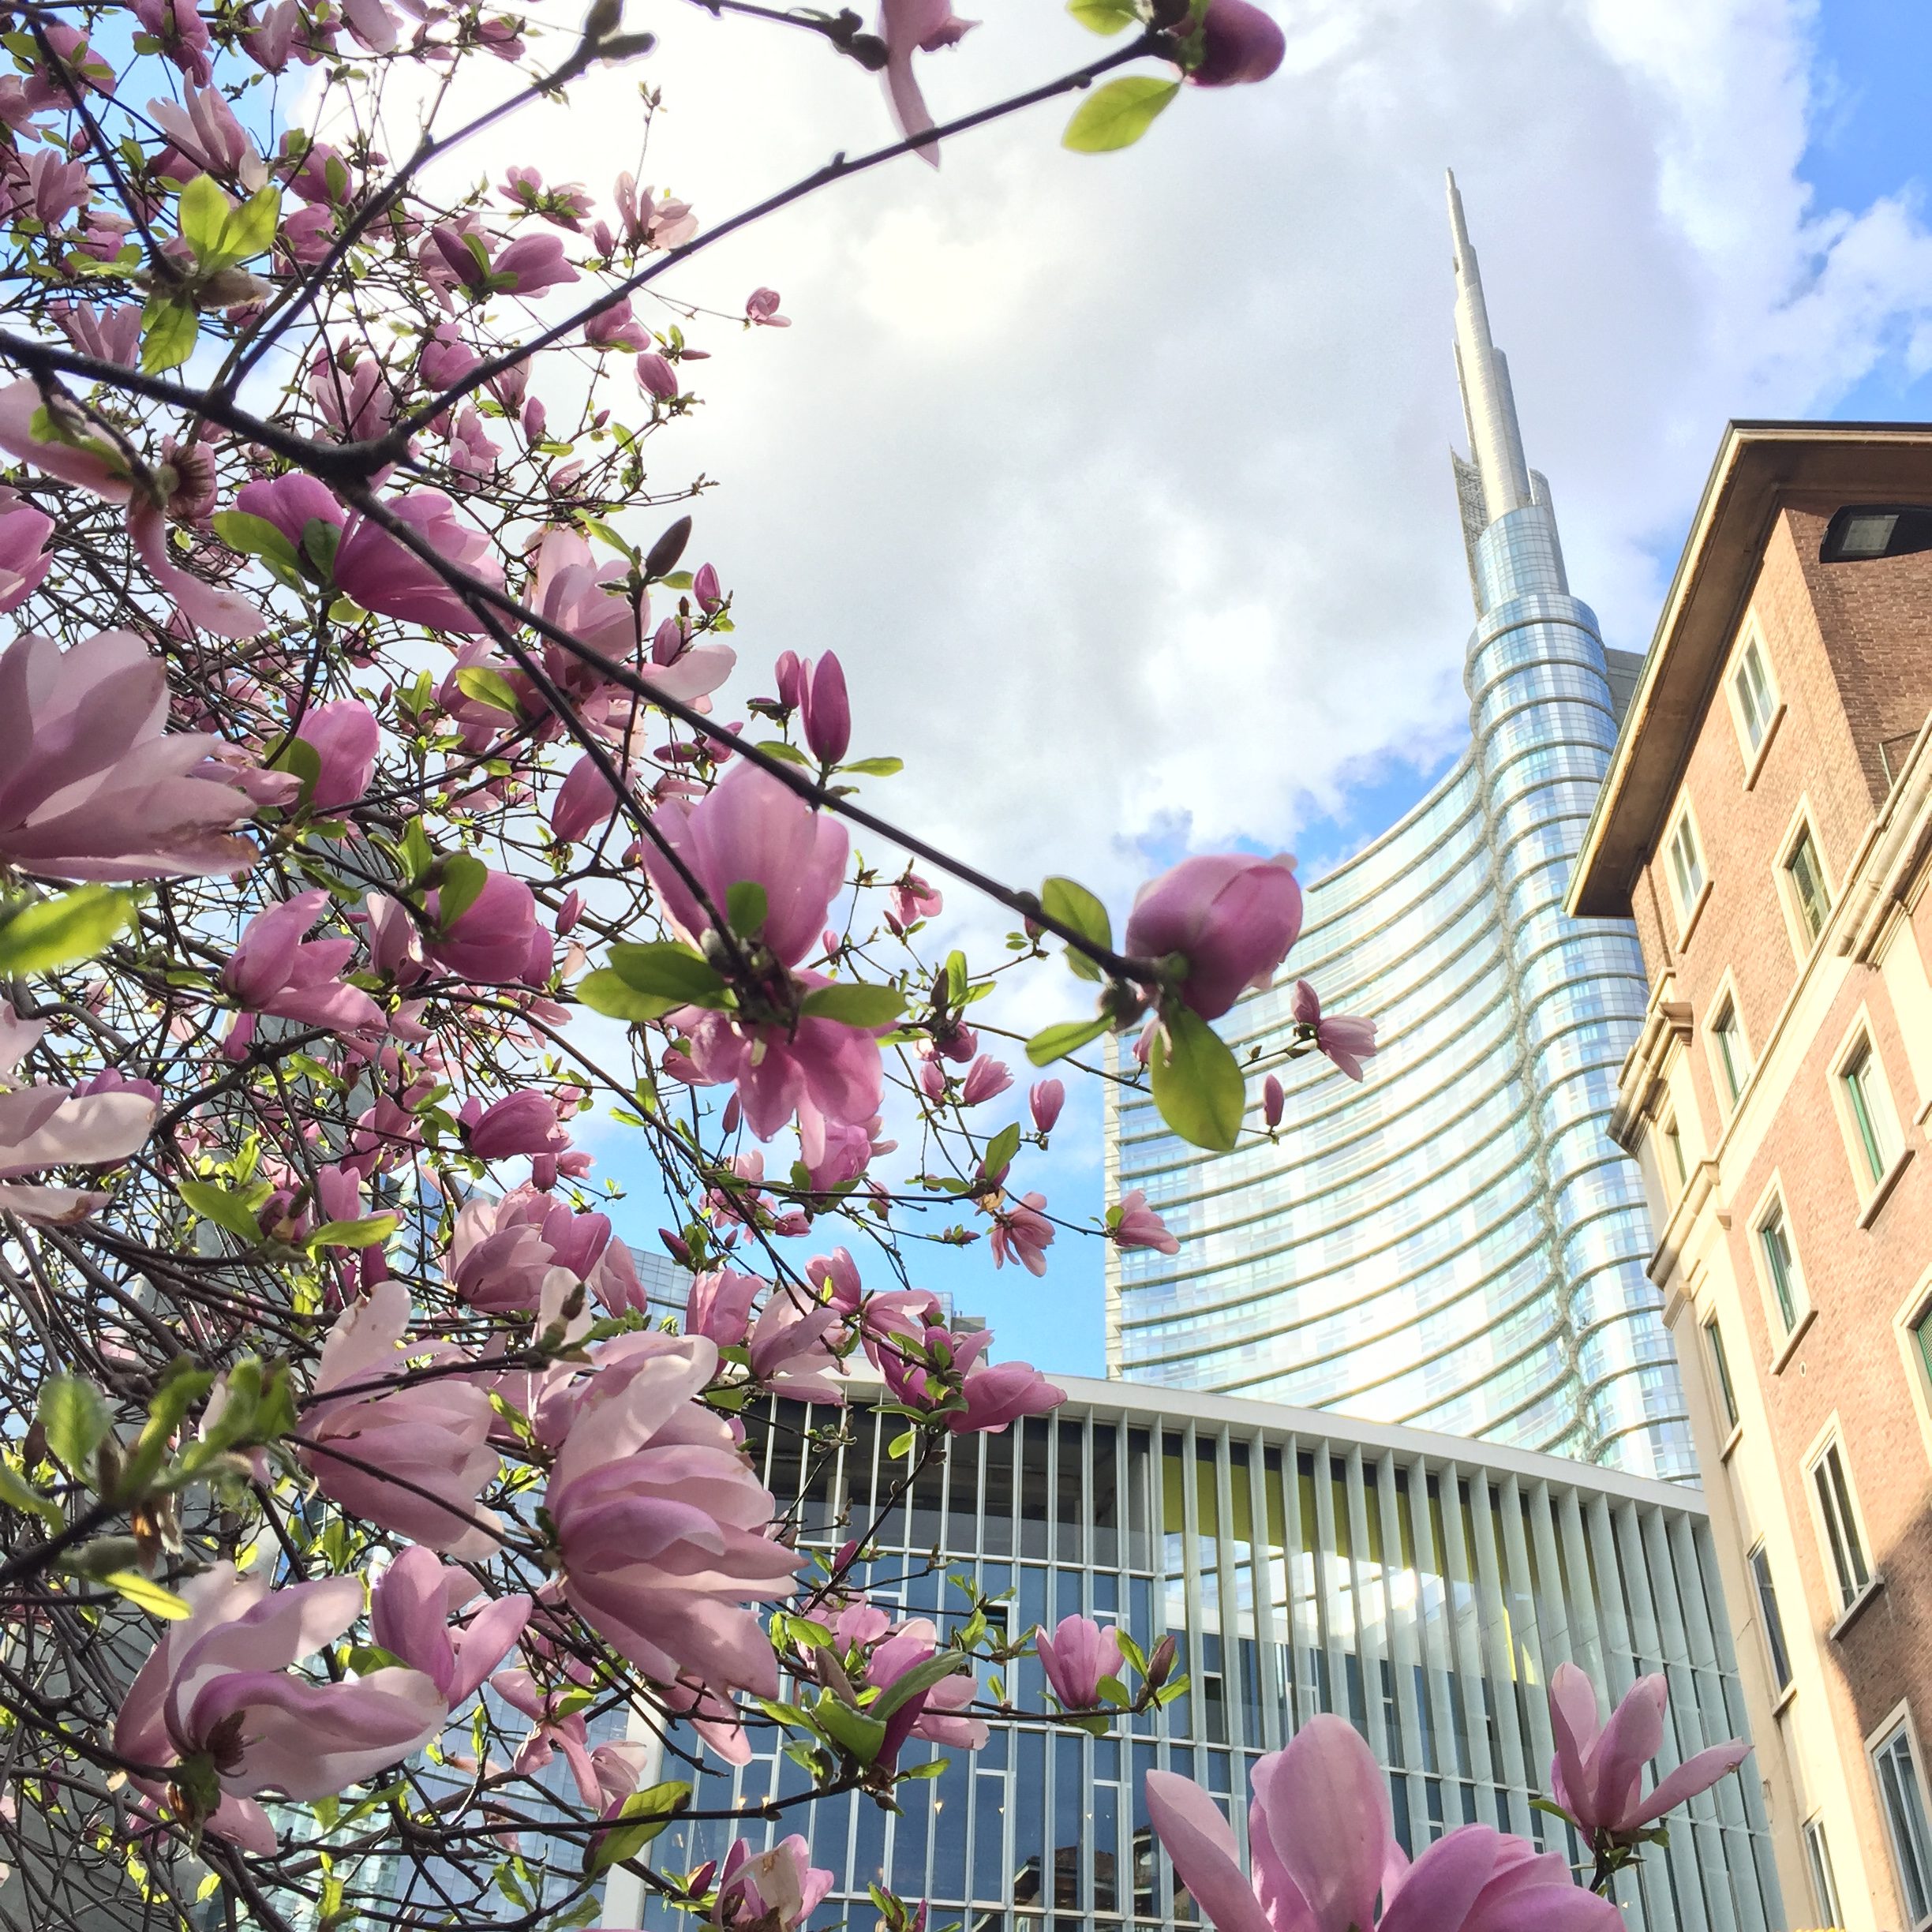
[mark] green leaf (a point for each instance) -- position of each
(1073, 905)
(862, 1736)
(257, 536)
(417, 854)
(225, 1209)
(370, 1231)
(853, 1006)
(201, 210)
(44, 935)
(76, 1420)
(320, 540)
(919, 1678)
(1132, 1652)
(778, 748)
(1198, 1088)
(745, 907)
(603, 991)
(487, 687)
(1054, 1042)
(901, 1445)
(251, 228)
(1104, 16)
(959, 979)
(301, 758)
(18, 1494)
(461, 885)
(169, 330)
(645, 1814)
(1118, 115)
(875, 767)
(1001, 1150)
(149, 1596)
(182, 1386)
(667, 971)
(936, 1767)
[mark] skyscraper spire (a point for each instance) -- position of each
(1488, 405)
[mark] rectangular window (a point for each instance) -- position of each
(1807, 885)
(1824, 1881)
(1781, 1264)
(1728, 1042)
(1773, 1623)
(1753, 694)
(1720, 1367)
(1903, 1799)
(1923, 1331)
(1841, 1530)
(1686, 865)
(1871, 1110)
(1676, 1173)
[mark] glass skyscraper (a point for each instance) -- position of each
(1454, 1244)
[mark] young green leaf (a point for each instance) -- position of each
(1001, 1150)
(225, 1209)
(44, 935)
(745, 907)
(487, 686)
(149, 1596)
(1118, 115)
(257, 536)
(605, 991)
(370, 1231)
(1054, 1042)
(853, 1006)
(667, 971)
(169, 329)
(1072, 904)
(875, 767)
(76, 1420)
(644, 1815)
(1104, 16)
(1198, 1088)
(463, 879)
(201, 209)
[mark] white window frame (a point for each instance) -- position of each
(1887, 1149)
(1751, 636)
(1896, 1725)
(1780, 1691)
(1684, 820)
(1802, 828)
(1723, 1000)
(1843, 1512)
(1771, 1204)
(1913, 1326)
(1819, 1869)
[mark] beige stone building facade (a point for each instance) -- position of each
(1768, 822)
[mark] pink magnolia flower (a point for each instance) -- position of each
(836, 1277)
(57, 1127)
(89, 461)
(274, 970)
(762, 309)
(344, 736)
(1273, 1101)
(372, 567)
(1342, 1038)
(1595, 1774)
(1134, 1224)
(110, 335)
(985, 1078)
(1231, 919)
(205, 133)
(758, 1891)
(92, 784)
(1322, 1840)
(24, 558)
(500, 1251)
(1045, 1097)
(910, 27)
(414, 1458)
(584, 802)
(910, 901)
(182, 33)
(785, 1340)
(827, 711)
(935, 1715)
(656, 378)
(410, 1612)
(519, 1123)
(1022, 1234)
(944, 1373)
(660, 1525)
(496, 939)
(1240, 43)
(219, 1684)
(1075, 1657)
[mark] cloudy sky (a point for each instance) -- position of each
(1121, 484)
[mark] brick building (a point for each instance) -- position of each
(1767, 821)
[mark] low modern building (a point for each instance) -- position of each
(1422, 1586)
(1767, 821)
(1455, 1244)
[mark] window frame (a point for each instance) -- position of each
(1876, 1148)
(1787, 1298)
(1673, 1165)
(1770, 1620)
(1745, 715)
(1819, 1870)
(1684, 822)
(1732, 1074)
(1720, 1367)
(1802, 837)
(1895, 1730)
(1840, 1521)
(1912, 1324)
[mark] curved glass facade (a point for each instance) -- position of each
(1455, 1243)
(1423, 1590)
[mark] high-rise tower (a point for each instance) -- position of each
(1455, 1243)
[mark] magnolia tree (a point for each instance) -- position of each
(369, 821)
